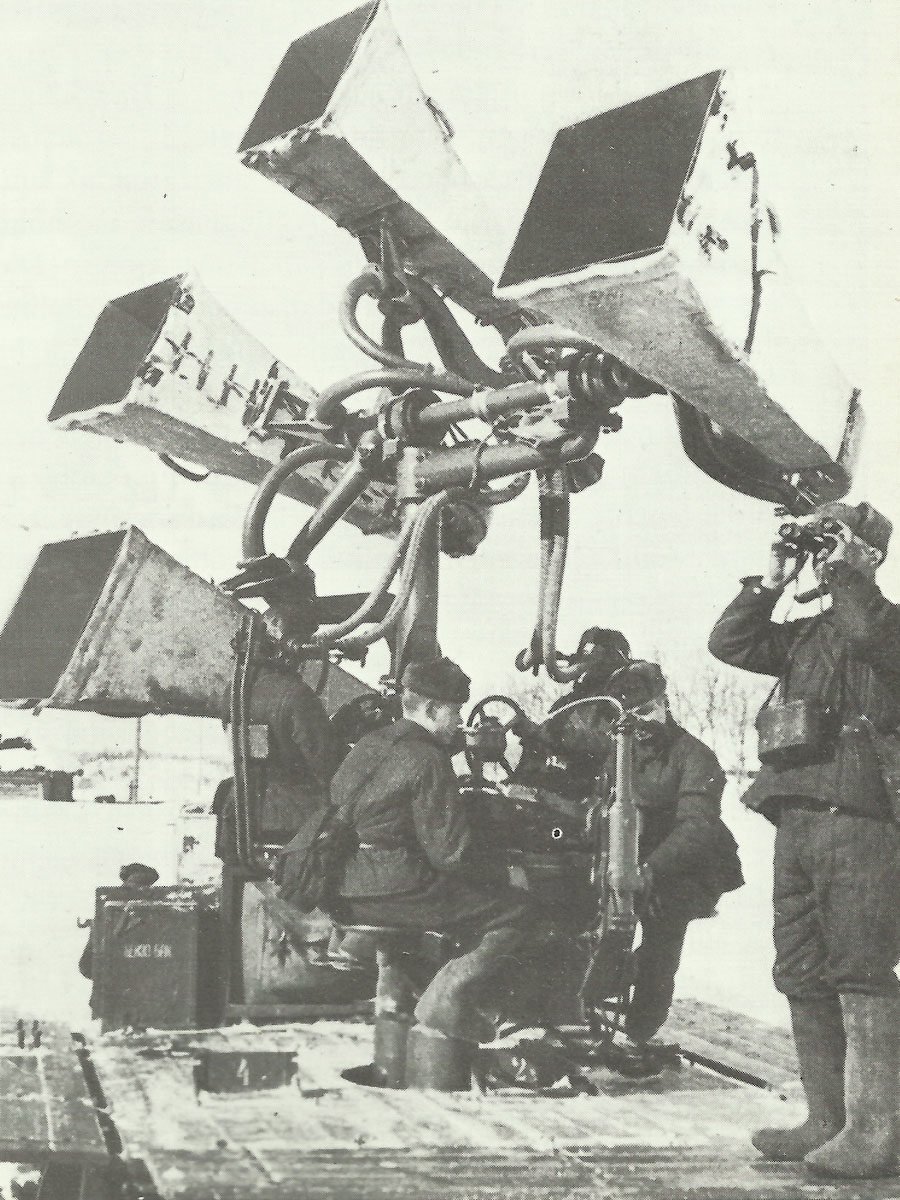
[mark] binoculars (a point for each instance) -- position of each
(811, 539)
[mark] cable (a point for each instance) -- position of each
(331, 633)
(456, 351)
(427, 514)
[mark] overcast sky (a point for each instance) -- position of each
(119, 129)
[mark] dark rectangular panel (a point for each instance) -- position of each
(118, 344)
(306, 79)
(51, 612)
(611, 184)
(155, 960)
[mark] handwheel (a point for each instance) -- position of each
(486, 732)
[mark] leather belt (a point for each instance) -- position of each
(810, 805)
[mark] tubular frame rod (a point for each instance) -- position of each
(455, 466)
(253, 536)
(487, 405)
(326, 408)
(353, 482)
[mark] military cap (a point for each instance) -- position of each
(437, 679)
(637, 683)
(602, 651)
(866, 522)
(147, 874)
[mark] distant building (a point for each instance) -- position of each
(36, 783)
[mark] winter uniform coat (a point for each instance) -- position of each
(410, 820)
(302, 757)
(848, 659)
(678, 785)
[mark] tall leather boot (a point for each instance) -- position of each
(819, 1038)
(451, 1002)
(868, 1145)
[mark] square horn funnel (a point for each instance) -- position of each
(112, 624)
(347, 125)
(649, 231)
(169, 369)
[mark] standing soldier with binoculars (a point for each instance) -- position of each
(829, 748)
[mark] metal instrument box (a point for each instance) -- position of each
(156, 958)
(794, 733)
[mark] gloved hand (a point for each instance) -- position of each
(527, 730)
(784, 565)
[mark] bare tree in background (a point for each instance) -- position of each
(535, 693)
(718, 705)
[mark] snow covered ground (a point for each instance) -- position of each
(52, 856)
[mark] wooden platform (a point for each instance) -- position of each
(681, 1135)
(45, 1105)
(49, 1116)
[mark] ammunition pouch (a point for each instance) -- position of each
(795, 734)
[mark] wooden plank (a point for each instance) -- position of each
(736, 1040)
(71, 1107)
(724, 1172)
(45, 1104)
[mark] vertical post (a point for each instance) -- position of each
(416, 634)
(624, 833)
(136, 772)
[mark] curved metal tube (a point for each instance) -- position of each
(327, 406)
(421, 527)
(370, 283)
(331, 633)
(252, 540)
(456, 351)
(547, 337)
(346, 491)
(514, 489)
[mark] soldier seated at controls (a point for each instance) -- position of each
(413, 864)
